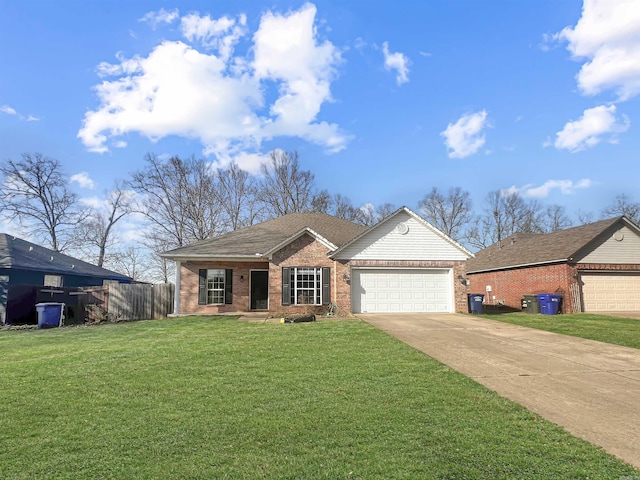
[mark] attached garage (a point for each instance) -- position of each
(610, 292)
(401, 290)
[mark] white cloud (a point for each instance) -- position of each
(591, 128)
(161, 16)
(566, 187)
(8, 110)
(217, 98)
(83, 180)
(92, 202)
(398, 62)
(12, 111)
(221, 34)
(359, 43)
(287, 51)
(608, 37)
(465, 137)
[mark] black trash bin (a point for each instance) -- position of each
(475, 303)
(530, 304)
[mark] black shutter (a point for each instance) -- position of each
(326, 286)
(202, 287)
(286, 287)
(228, 286)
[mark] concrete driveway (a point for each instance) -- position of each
(592, 389)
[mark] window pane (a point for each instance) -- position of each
(53, 281)
(215, 286)
(306, 285)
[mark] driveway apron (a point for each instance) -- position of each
(590, 388)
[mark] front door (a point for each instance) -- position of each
(259, 290)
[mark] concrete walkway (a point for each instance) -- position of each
(592, 389)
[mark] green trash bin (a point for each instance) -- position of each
(530, 304)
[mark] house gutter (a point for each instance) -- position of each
(508, 267)
(206, 256)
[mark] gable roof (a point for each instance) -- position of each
(260, 240)
(416, 217)
(520, 250)
(16, 253)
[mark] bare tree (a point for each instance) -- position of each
(35, 193)
(96, 232)
(369, 215)
(555, 218)
(133, 261)
(449, 213)
(384, 210)
(178, 197)
(322, 202)
(236, 193)
(623, 205)
(505, 213)
(584, 217)
(285, 187)
(343, 208)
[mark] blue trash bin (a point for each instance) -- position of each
(549, 303)
(475, 303)
(554, 303)
(543, 300)
(50, 314)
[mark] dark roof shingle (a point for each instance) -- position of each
(16, 253)
(527, 249)
(262, 237)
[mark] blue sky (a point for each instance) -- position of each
(382, 100)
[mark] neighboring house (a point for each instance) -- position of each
(26, 264)
(304, 262)
(595, 267)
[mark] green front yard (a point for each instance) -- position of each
(218, 398)
(619, 331)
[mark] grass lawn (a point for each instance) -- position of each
(218, 398)
(619, 331)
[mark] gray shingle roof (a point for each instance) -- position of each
(526, 249)
(20, 254)
(263, 237)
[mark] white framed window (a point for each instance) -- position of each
(215, 286)
(306, 286)
(53, 281)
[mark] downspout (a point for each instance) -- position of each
(176, 295)
(335, 282)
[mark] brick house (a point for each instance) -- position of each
(304, 262)
(595, 267)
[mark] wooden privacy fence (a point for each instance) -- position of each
(140, 302)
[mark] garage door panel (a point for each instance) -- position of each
(611, 292)
(408, 290)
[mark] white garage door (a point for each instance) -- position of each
(611, 292)
(401, 290)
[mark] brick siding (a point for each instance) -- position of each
(189, 281)
(307, 252)
(509, 286)
(302, 252)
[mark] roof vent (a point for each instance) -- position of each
(51, 258)
(31, 248)
(513, 240)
